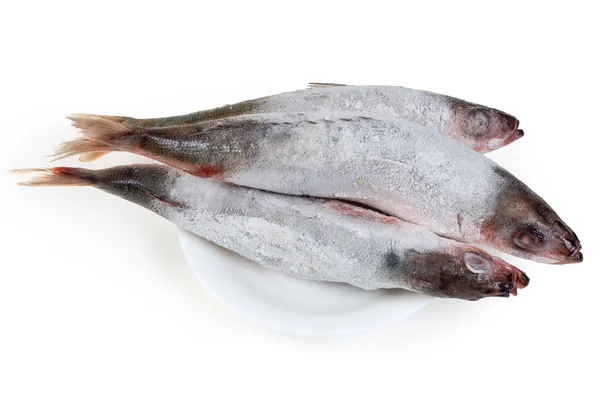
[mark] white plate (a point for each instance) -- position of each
(289, 304)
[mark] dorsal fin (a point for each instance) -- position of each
(314, 85)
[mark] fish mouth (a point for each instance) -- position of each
(573, 246)
(513, 136)
(504, 140)
(575, 257)
(519, 280)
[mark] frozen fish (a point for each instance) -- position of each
(392, 165)
(318, 239)
(479, 127)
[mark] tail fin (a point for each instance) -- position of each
(94, 155)
(88, 150)
(98, 132)
(115, 118)
(58, 176)
(104, 134)
(139, 183)
(100, 126)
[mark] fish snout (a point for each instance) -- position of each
(575, 255)
(514, 135)
(504, 139)
(577, 258)
(520, 280)
(514, 278)
(573, 246)
(566, 243)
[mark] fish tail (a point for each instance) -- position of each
(164, 144)
(103, 135)
(86, 149)
(100, 135)
(144, 184)
(57, 176)
(91, 156)
(101, 127)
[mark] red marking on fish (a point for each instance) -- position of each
(61, 170)
(478, 147)
(459, 222)
(487, 230)
(349, 209)
(208, 171)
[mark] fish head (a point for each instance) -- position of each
(468, 273)
(484, 129)
(525, 226)
(540, 236)
(478, 274)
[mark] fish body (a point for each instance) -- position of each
(392, 165)
(318, 239)
(479, 127)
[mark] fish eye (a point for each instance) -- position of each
(476, 263)
(529, 238)
(479, 122)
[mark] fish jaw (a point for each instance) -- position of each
(518, 279)
(504, 140)
(567, 245)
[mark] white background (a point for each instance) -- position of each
(96, 300)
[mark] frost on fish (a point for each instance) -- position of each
(317, 239)
(392, 165)
(479, 127)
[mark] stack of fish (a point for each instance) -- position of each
(375, 186)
